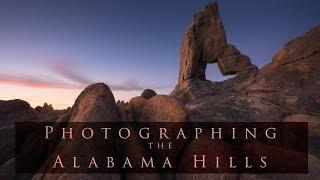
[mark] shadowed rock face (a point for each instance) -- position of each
(148, 93)
(16, 111)
(10, 112)
(205, 42)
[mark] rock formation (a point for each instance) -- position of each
(288, 85)
(285, 90)
(95, 104)
(46, 108)
(16, 111)
(205, 42)
(148, 93)
(135, 106)
(10, 112)
(237, 107)
(292, 78)
(132, 110)
(48, 113)
(163, 108)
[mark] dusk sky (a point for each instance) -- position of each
(51, 50)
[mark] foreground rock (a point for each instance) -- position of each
(163, 108)
(233, 107)
(135, 106)
(313, 130)
(10, 112)
(210, 149)
(95, 104)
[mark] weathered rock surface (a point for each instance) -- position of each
(285, 90)
(313, 173)
(135, 106)
(205, 42)
(210, 148)
(313, 130)
(313, 122)
(233, 107)
(95, 104)
(300, 48)
(291, 79)
(148, 93)
(192, 89)
(163, 108)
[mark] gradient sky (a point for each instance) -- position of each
(50, 50)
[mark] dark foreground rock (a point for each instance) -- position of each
(10, 112)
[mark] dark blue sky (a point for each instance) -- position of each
(136, 41)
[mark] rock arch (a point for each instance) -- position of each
(205, 42)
